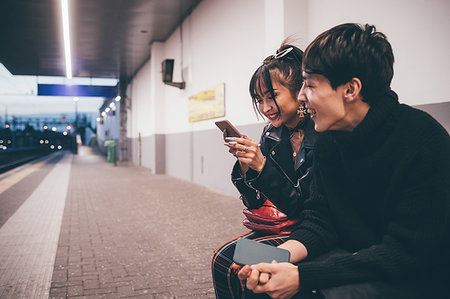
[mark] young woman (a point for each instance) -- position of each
(279, 167)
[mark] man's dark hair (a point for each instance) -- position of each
(352, 50)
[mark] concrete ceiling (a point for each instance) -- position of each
(109, 38)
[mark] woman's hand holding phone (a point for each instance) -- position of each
(247, 152)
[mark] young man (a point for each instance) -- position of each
(377, 222)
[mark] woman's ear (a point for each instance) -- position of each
(353, 89)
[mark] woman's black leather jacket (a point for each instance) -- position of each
(278, 181)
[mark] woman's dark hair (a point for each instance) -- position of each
(352, 50)
(285, 67)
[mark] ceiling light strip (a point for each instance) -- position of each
(66, 36)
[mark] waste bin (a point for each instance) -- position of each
(111, 151)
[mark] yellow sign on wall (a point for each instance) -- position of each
(207, 104)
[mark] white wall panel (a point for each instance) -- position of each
(417, 31)
(223, 42)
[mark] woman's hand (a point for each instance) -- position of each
(252, 277)
(247, 152)
(233, 151)
(235, 267)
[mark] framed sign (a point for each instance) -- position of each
(207, 104)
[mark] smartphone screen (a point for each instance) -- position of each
(250, 252)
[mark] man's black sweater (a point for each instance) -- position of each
(381, 193)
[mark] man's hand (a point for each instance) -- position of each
(297, 250)
(283, 279)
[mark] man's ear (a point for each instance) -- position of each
(353, 89)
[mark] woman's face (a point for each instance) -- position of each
(287, 114)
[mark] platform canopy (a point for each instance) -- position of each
(109, 38)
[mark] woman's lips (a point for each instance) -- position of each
(272, 116)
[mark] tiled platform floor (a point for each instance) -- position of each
(94, 230)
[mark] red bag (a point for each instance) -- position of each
(268, 219)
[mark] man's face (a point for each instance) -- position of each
(325, 105)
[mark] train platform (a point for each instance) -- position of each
(75, 226)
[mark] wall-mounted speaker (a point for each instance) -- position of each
(167, 70)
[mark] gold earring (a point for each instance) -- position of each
(301, 111)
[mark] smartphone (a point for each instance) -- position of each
(226, 125)
(249, 252)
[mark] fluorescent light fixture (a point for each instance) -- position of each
(66, 36)
(63, 80)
